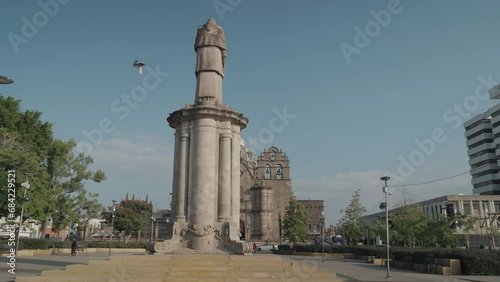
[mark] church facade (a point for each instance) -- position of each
(265, 190)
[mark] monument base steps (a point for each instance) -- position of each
(201, 268)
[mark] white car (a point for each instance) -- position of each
(266, 248)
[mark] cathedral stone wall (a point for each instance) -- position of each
(265, 192)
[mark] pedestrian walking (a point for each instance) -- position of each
(74, 245)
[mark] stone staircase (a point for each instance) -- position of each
(176, 268)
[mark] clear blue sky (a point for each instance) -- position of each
(354, 119)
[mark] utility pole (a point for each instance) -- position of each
(323, 233)
(112, 227)
(387, 192)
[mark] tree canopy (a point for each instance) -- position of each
(130, 215)
(295, 222)
(56, 173)
(350, 223)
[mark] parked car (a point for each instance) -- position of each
(266, 248)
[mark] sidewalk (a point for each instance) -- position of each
(362, 271)
(353, 269)
(33, 266)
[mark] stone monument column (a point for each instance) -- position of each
(201, 209)
(206, 181)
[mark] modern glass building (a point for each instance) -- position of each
(483, 143)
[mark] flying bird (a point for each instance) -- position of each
(139, 66)
(5, 80)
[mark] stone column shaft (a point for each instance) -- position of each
(175, 178)
(202, 182)
(235, 174)
(224, 212)
(182, 176)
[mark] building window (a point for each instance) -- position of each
(279, 172)
(480, 153)
(480, 122)
(267, 172)
(479, 133)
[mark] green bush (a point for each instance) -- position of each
(33, 244)
(130, 245)
(61, 244)
(472, 261)
(319, 248)
(43, 244)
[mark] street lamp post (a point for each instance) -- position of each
(26, 186)
(323, 233)
(152, 224)
(112, 227)
(387, 192)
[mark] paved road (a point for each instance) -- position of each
(354, 269)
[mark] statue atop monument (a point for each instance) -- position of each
(211, 52)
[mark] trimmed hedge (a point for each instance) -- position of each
(119, 245)
(43, 244)
(319, 248)
(33, 244)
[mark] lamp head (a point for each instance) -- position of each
(385, 178)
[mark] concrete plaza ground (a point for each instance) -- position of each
(354, 269)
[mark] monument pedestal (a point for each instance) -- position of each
(224, 239)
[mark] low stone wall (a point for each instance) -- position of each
(98, 250)
(27, 253)
(32, 253)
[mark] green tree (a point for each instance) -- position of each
(24, 140)
(440, 233)
(373, 229)
(295, 222)
(410, 223)
(130, 215)
(350, 222)
(55, 172)
(68, 172)
(467, 223)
